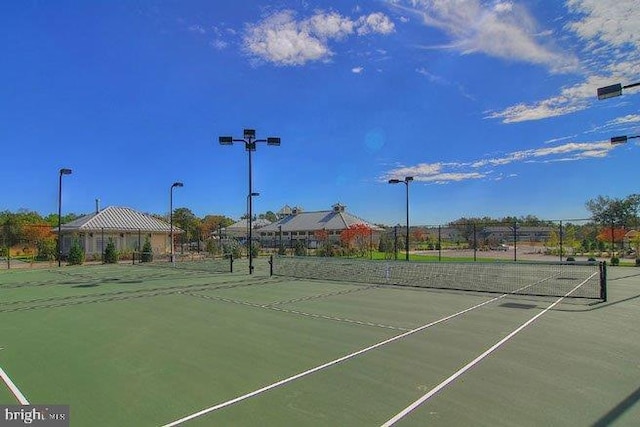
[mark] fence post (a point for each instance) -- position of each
(561, 241)
(271, 265)
(475, 243)
(439, 243)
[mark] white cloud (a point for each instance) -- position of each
(483, 168)
(197, 29)
(219, 44)
(283, 40)
(628, 119)
(375, 23)
(502, 30)
(608, 30)
(357, 70)
(613, 23)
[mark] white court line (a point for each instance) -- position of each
(328, 364)
(16, 392)
(471, 364)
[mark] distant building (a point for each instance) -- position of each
(305, 226)
(127, 228)
(240, 229)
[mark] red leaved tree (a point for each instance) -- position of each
(356, 237)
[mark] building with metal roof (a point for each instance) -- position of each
(240, 229)
(127, 228)
(305, 226)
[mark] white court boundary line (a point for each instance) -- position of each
(475, 361)
(328, 364)
(13, 388)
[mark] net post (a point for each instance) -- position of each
(230, 263)
(271, 265)
(603, 281)
(133, 258)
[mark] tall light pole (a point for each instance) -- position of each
(613, 90)
(63, 171)
(250, 232)
(250, 141)
(174, 185)
(406, 182)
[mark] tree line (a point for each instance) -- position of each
(35, 232)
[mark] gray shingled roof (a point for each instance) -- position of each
(119, 218)
(242, 224)
(319, 220)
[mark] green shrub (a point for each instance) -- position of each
(637, 262)
(76, 254)
(300, 248)
(147, 251)
(46, 249)
(110, 253)
(615, 260)
(255, 250)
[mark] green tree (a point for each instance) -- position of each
(147, 251)
(110, 253)
(613, 211)
(184, 219)
(76, 254)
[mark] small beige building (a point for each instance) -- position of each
(127, 228)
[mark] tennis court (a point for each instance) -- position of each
(197, 345)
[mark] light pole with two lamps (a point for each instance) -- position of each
(406, 182)
(249, 140)
(174, 185)
(63, 171)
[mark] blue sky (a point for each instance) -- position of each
(489, 105)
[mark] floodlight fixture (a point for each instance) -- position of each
(622, 139)
(249, 133)
(614, 90)
(394, 181)
(65, 171)
(177, 184)
(619, 139)
(226, 140)
(273, 141)
(610, 91)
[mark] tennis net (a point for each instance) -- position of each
(523, 278)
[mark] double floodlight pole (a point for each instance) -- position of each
(249, 140)
(63, 171)
(171, 243)
(406, 182)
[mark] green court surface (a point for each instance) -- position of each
(133, 345)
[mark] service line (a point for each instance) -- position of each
(328, 364)
(474, 362)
